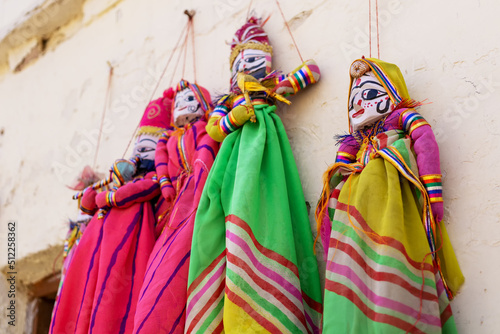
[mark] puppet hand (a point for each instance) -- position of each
(242, 113)
(168, 193)
(123, 170)
(101, 199)
(437, 211)
(88, 202)
(312, 69)
(304, 75)
(167, 189)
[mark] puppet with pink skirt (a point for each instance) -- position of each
(102, 285)
(183, 160)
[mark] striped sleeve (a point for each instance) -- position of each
(222, 121)
(303, 76)
(345, 157)
(433, 185)
(411, 120)
(228, 124)
(161, 166)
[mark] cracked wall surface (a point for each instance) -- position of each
(53, 84)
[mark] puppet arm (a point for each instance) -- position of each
(427, 151)
(204, 157)
(88, 202)
(138, 191)
(306, 74)
(161, 165)
(226, 119)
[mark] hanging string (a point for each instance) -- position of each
(249, 8)
(184, 49)
(106, 103)
(179, 56)
(158, 84)
(370, 25)
(378, 43)
(193, 48)
(289, 31)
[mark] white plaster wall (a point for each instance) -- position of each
(13, 11)
(448, 52)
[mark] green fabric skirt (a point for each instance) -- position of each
(252, 266)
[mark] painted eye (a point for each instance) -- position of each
(250, 59)
(370, 94)
(145, 149)
(190, 98)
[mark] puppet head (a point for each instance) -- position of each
(190, 103)
(86, 178)
(250, 51)
(376, 89)
(153, 123)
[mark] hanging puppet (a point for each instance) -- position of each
(252, 266)
(100, 294)
(390, 265)
(184, 157)
(76, 227)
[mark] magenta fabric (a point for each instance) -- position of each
(102, 284)
(163, 297)
(427, 151)
(325, 230)
(251, 31)
(73, 309)
(158, 112)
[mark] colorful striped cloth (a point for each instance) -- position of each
(381, 274)
(252, 265)
(185, 159)
(99, 295)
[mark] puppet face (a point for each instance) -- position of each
(257, 63)
(368, 102)
(145, 146)
(186, 108)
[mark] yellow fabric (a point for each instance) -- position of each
(213, 129)
(380, 214)
(450, 268)
(247, 83)
(449, 264)
(393, 73)
(237, 321)
(242, 113)
(150, 130)
(369, 192)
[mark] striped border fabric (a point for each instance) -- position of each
(345, 157)
(391, 89)
(360, 259)
(434, 187)
(259, 284)
(410, 120)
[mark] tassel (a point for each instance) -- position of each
(322, 205)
